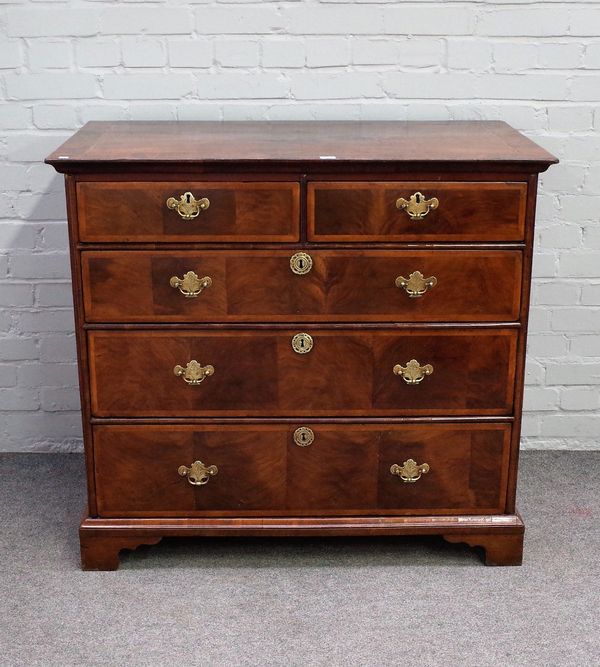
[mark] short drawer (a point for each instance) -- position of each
(256, 469)
(331, 372)
(267, 286)
(416, 211)
(187, 211)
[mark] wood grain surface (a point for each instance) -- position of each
(182, 144)
(367, 211)
(137, 211)
(343, 285)
(349, 372)
(261, 471)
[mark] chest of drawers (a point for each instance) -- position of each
(300, 328)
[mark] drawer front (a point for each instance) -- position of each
(365, 211)
(342, 285)
(257, 372)
(138, 211)
(259, 469)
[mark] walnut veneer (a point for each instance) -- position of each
(398, 409)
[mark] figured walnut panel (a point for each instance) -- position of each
(137, 211)
(137, 468)
(348, 372)
(261, 471)
(367, 211)
(467, 470)
(343, 285)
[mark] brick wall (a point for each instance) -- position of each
(533, 64)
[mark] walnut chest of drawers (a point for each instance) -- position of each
(301, 328)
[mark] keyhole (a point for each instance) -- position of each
(303, 437)
(302, 343)
(418, 198)
(188, 197)
(301, 263)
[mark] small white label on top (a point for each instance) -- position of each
(327, 157)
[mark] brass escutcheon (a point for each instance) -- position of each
(194, 373)
(190, 285)
(416, 284)
(187, 205)
(301, 263)
(304, 436)
(413, 372)
(409, 471)
(198, 474)
(302, 343)
(417, 206)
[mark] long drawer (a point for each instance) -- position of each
(259, 469)
(332, 372)
(188, 211)
(416, 211)
(316, 285)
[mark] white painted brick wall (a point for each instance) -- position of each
(532, 63)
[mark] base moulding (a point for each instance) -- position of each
(501, 536)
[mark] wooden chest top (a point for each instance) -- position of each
(198, 142)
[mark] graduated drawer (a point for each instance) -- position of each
(370, 211)
(138, 211)
(342, 285)
(258, 469)
(354, 372)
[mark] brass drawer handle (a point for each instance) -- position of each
(302, 343)
(417, 206)
(416, 284)
(413, 372)
(198, 474)
(194, 373)
(190, 285)
(187, 205)
(409, 471)
(304, 436)
(301, 263)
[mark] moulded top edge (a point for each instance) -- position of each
(151, 143)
